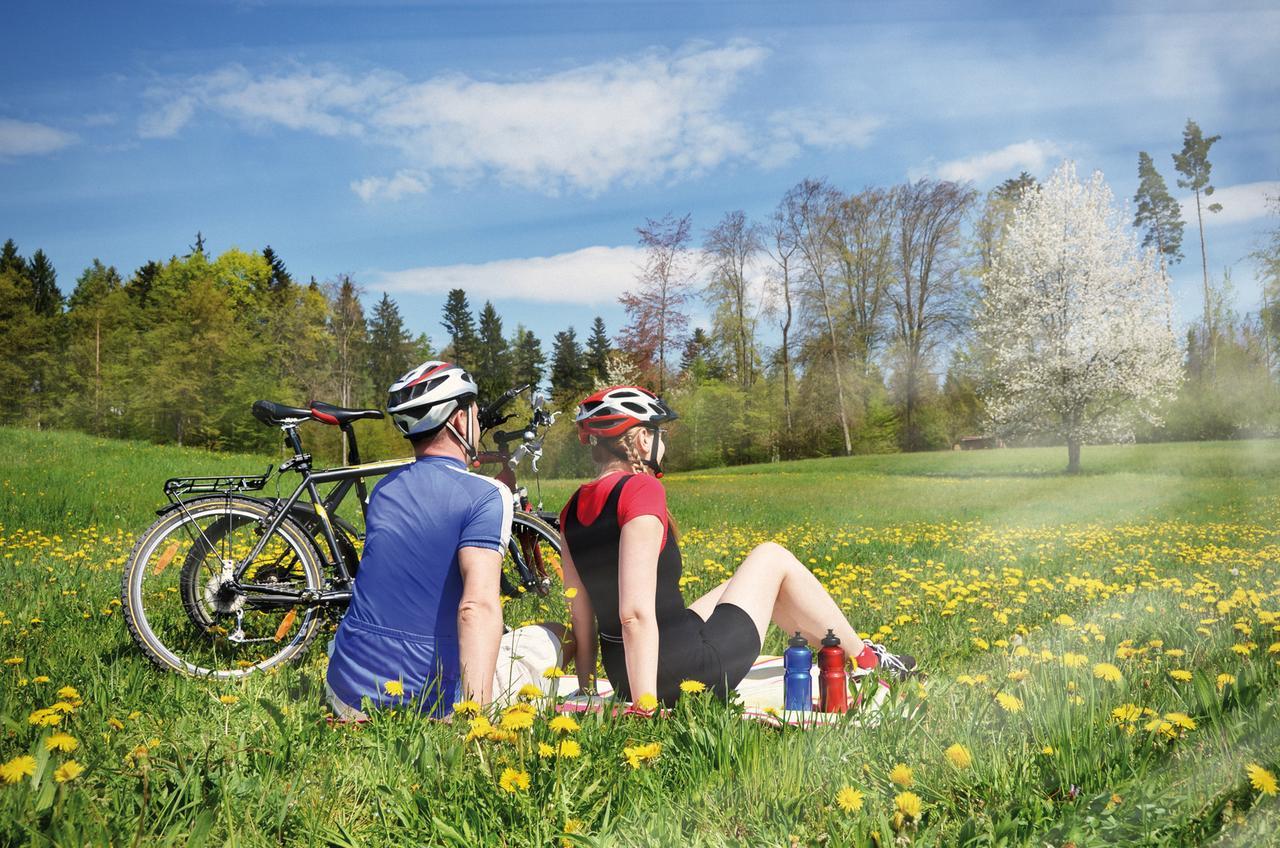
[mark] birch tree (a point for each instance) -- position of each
(1075, 320)
(656, 307)
(809, 215)
(928, 294)
(728, 250)
(781, 248)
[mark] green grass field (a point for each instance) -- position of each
(1103, 650)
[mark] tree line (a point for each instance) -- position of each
(841, 322)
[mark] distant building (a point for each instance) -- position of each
(978, 443)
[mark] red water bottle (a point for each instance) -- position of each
(833, 682)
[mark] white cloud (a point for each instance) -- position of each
(588, 276)
(653, 117)
(791, 130)
(21, 138)
(1009, 161)
(402, 184)
(1240, 203)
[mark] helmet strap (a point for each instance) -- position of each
(652, 461)
(467, 445)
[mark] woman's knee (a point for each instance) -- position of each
(771, 551)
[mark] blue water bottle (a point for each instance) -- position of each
(797, 687)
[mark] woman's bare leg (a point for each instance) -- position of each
(706, 605)
(772, 585)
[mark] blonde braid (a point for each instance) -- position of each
(628, 440)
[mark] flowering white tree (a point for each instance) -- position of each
(1075, 321)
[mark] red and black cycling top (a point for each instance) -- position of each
(592, 522)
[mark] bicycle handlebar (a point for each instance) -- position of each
(488, 416)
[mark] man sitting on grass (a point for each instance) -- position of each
(425, 621)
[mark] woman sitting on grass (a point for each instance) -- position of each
(622, 568)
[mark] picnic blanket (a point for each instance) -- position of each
(761, 694)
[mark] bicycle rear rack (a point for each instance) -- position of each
(176, 487)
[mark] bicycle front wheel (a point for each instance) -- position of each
(181, 608)
(532, 579)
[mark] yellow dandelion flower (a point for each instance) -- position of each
(115, 723)
(545, 751)
(901, 774)
(229, 700)
(1047, 750)
(18, 768)
(394, 688)
(516, 721)
(1074, 660)
(692, 687)
(1244, 649)
(553, 672)
(1018, 675)
(69, 693)
(69, 770)
(63, 707)
(849, 799)
(647, 702)
(959, 756)
(1261, 779)
(466, 708)
(908, 804)
(14, 661)
(638, 754)
(1065, 620)
(529, 691)
(478, 728)
(41, 678)
(513, 780)
(1225, 680)
(563, 724)
(45, 718)
(1274, 648)
(1107, 672)
(1181, 720)
(1009, 703)
(1127, 713)
(568, 749)
(571, 593)
(1181, 675)
(520, 707)
(64, 742)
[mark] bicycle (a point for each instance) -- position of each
(226, 582)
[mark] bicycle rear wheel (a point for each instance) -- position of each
(181, 610)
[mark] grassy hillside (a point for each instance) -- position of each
(1103, 650)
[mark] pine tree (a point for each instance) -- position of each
(569, 377)
(1158, 216)
(1193, 163)
(280, 279)
(493, 367)
(391, 349)
(11, 260)
(598, 347)
(140, 284)
(46, 296)
(526, 358)
(463, 341)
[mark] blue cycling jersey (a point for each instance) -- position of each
(402, 624)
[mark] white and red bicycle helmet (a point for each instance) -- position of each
(423, 399)
(613, 411)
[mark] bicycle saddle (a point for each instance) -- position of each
(330, 414)
(274, 414)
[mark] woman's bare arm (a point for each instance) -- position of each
(638, 550)
(584, 624)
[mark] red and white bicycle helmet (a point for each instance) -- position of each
(611, 412)
(423, 399)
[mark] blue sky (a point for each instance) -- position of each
(513, 148)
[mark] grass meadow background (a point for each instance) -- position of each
(1103, 652)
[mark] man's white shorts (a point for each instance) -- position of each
(523, 655)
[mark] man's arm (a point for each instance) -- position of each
(479, 621)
